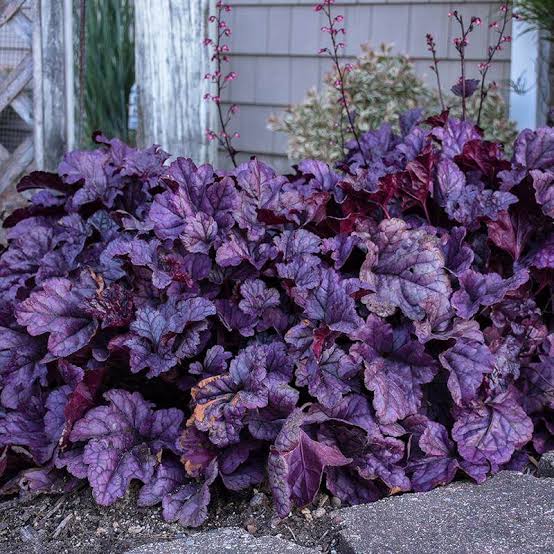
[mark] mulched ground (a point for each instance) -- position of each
(74, 524)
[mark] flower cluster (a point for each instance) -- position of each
(220, 80)
(375, 328)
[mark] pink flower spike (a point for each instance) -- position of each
(207, 41)
(339, 18)
(476, 21)
(504, 8)
(236, 134)
(318, 7)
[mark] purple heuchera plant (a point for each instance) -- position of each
(368, 329)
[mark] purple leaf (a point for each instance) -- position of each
(58, 309)
(328, 378)
(466, 89)
(122, 441)
(297, 463)
(395, 369)
(491, 430)
(408, 269)
(330, 304)
(477, 290)
(467, 362)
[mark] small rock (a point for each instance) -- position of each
(275, 522)
(135, 529)
(259, 499)
(546, 465)
(101, 531)
(251, 526)
(28, 534)
(336, 502)
(307, 513)
(320, 512)
(323, 499)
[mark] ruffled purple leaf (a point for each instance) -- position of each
(122, 441)
(477, 289)
(297, 464)
(59, 309)
(407, 270)
(491, 430)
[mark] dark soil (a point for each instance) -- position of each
(74, 524)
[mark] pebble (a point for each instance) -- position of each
(275, 522)
(135, 529)
(320, 512)
(258, 500)
(336, 502)
(307, 513)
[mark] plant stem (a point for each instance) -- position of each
(486, 67)
(461, 49)
(435, 68)
(334, 55)
(225, 142)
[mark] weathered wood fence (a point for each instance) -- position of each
(39, 87)
(170, 66)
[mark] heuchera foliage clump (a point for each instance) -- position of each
(367, 329)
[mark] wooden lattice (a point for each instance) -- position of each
(13, 93)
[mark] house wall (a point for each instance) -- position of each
(275, 43)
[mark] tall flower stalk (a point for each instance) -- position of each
(221, 80)
(432, 47)
(461, 43)
(502, 38)
(334, 30)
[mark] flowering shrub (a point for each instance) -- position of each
(380, 86)
(378, 328)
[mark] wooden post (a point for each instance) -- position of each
(171, 62)
(53, 86)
